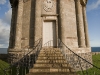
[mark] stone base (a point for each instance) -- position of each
(79, 63)
(16, 54)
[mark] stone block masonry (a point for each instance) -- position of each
(49, 20)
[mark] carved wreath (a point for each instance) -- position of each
(48, 5)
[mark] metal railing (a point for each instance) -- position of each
(22, 66)
(48, 44)
(81, 65)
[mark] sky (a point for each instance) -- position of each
(93, 17)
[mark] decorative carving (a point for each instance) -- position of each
(84, 2)
(48, 5)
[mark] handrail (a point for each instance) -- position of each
(83, 70)
(25, 62)
(80, 56)
(60, 43)
(26, 59)
(48, 43)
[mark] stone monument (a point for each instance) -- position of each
(49, 20)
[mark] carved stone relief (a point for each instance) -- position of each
(48, 5)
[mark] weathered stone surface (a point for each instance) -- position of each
(68, 18)
(68, 23)
(26, 24)
(52, 65)
(18, 34)
(68, 15)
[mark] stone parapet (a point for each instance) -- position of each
(95, 53)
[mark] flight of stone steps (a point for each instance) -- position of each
(51, 62)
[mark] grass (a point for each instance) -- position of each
(13, 71)
(96, 61)
(93, 71)
(3, 65)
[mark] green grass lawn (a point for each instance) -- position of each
(96, 61)
(3, 65)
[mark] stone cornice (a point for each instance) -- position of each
(13, 3)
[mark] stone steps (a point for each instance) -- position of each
(50, 52)
(52, 73)
(50, 58)
(52, 70)
(51, 61)
(51, 65)
(50, 55)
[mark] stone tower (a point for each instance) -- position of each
(49, 20)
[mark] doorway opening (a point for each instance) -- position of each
(49, 34)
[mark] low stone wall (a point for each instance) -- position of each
(95, 53)
(4, 57)
(77, 63)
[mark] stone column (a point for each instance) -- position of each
(18, 34)
(11, 41)
(80, 27)
(38, 23)
(62, 20)
(85, 27)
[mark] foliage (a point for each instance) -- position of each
(3, 65)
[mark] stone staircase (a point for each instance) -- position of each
(50, 61)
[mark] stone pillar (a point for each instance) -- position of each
(38, 23)
(85, 27)
(80, 27)
(62, 20)
(11, 41)
(18, 34)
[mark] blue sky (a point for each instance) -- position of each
(93, 17)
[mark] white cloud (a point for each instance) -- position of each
(9, 6)
(7, 17)
(2, 1)
(1, 45)
(5, 29)
(5, 26)
(94, 5)
(4, 32)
